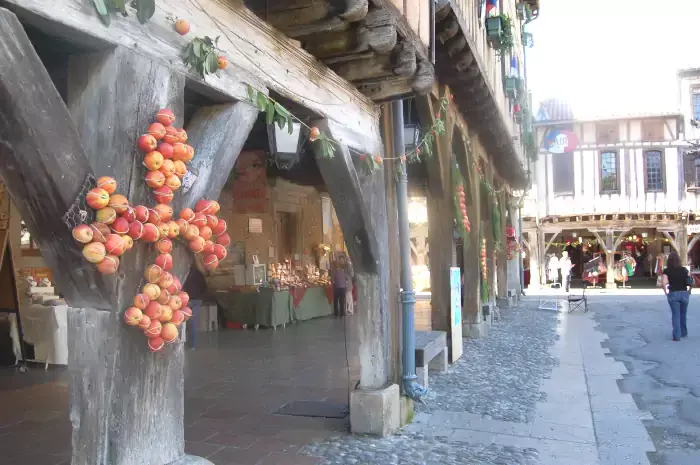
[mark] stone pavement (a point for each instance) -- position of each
(539, 390)
(664, 376)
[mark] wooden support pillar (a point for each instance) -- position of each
(112, 96)
(534, 258)
(441, 213)
(360, 202)
(682, 238)
(126, 403)
(394, 284)
(501, 255)
(472, 315)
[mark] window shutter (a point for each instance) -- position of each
(689, 172)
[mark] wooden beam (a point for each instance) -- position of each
(386, 89)
(257, 53)
(32, 160)
(404, 28)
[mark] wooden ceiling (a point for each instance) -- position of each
(367, 42)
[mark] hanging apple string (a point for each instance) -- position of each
(160, 306)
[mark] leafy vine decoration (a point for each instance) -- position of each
(145, 9)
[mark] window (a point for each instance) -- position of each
(653, 163)
(607, 133)
(697, 171)
(608, 172)
(563, 173)
(653, 130)
(696, 103)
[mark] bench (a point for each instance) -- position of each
(431, 354)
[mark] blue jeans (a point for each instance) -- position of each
(678, 301)
(191, 325)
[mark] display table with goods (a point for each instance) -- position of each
(292, 293)
(267, 307)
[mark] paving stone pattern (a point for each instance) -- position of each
(499, 376)
(417, 449)
(664, 376)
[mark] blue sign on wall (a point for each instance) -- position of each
(456, 296)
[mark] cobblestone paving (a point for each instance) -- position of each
(499, 376)
(417, 449)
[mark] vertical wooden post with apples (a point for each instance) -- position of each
(126, 401)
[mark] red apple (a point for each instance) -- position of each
(223, 239)
(150, 233)
(165, 117)
(155, 179)
(109, 265)
(141, 301)
(141, 213)
(108, 184)
(220, 228)
(166, 150)
(132, 316)
(115, 245)
(136, 230)
(147, 143)
(187, 214)
(97, 198)
(220, 251)
(211, 262)
(165, 261)
(120, 226)
(157, 130)
(164, 245)
(197, 244)
(100, 231)
(83, 233)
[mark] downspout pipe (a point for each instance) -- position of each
(411, 388)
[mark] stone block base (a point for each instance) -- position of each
(376, 412)
(191, 460)
(505, 302)
(475, 330)
(610, 285)
(407, 412)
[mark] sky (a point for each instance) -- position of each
(613, 57)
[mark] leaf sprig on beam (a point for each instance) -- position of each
(202, 56)
(145, 9)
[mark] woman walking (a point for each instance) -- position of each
(676, 282)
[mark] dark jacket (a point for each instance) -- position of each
(195, 285)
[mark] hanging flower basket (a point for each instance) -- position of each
(527, 39)
(494, 30)
(511, 85)
(520, 10)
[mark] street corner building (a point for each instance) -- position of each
(617, 193)
(263, 144)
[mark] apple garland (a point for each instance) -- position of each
(160, 307)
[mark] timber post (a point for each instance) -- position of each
(360, 203)
(502, 255)
(126, 403)
(473, 325)
(441, 213)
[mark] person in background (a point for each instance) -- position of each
(196, 287)
(565, 266)
(340, 286)
(676, 282)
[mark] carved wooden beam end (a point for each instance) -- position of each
(461, 66)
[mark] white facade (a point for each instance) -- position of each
(630, 165)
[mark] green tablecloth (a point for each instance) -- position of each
(273, 308)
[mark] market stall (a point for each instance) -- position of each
(267, 307)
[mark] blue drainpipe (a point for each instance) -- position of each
(408, 297)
